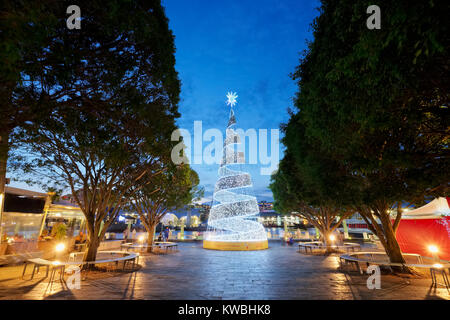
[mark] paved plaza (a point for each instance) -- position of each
(195, 273)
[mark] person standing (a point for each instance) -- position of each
(166, 234)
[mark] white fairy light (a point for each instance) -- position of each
(231, 98)
(233, 217)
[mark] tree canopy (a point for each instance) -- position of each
(110, 132)
(372, 110)
(172, 189)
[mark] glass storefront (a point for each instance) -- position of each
(22, 225)
(68, 214)
(24, 212)
(22, 215)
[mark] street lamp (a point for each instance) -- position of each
(60, 247)
(434, 251)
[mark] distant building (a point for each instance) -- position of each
(265, 206)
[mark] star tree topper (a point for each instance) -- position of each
(231, 99)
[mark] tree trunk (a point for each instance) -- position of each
(326, 239)
(151, 233)
(93, 244)
(392, 247)
(4, 148)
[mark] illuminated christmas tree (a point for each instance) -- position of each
(232, 223)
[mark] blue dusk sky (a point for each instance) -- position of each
(245, 46)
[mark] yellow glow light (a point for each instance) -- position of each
(433, 249)
(332, 237)
(141, 239)
(56, 263)
(60, 247)
(437, 265)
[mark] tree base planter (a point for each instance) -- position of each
(236, 245)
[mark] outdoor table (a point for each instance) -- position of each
(166, 245)
(37, 264)
(55, 267)
(434, 281)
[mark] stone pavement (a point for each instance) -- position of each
(195, 273)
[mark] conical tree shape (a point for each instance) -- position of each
(232, 223)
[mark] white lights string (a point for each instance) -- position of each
(233, 215)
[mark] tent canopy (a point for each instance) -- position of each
(426, 226)
(435, 209)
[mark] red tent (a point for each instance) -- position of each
(425, 226)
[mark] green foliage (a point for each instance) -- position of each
(204, 215)
(371, 125)
(371, 101)
(59, 231)
(174, 187)
(178, 187)
(110, 128)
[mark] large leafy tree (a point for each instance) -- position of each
(173, 188)
(30, 75)
(376, 101)
(110, 131)
(301, 185)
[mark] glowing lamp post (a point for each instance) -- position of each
(332, 239)
(434, 251)
(59, 248)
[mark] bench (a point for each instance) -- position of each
(434, 268)
(165, 246)
(57, 265)
(313, 245)
(310, 246)
(159, 246)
